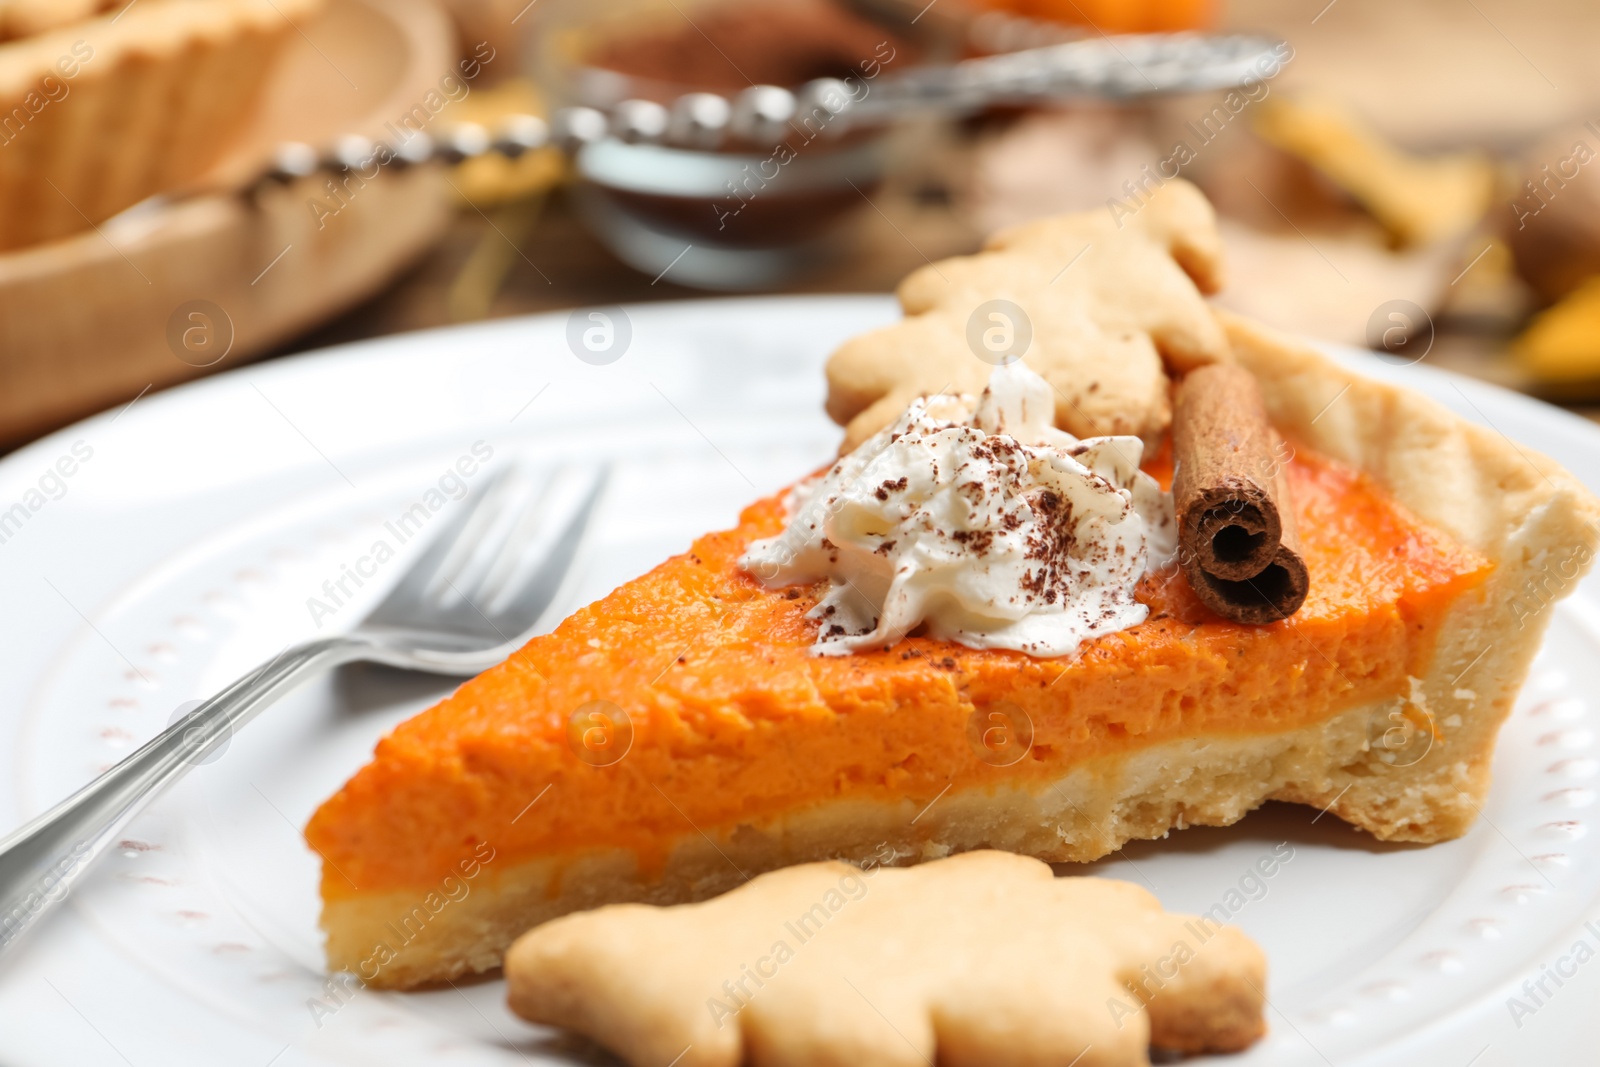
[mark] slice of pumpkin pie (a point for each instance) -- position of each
(978, 630)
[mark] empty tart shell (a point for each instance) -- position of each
(103, 105)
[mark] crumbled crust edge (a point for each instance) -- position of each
(1521, 510)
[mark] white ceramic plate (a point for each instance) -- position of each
(185, 547)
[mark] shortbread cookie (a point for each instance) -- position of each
(984, 959)
(1106, 300)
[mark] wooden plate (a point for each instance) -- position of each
(175, 288)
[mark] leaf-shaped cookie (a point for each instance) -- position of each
(1106, 297)
(984, 959)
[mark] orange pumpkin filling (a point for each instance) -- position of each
(733, 720)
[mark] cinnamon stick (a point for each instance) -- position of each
(1237, 543)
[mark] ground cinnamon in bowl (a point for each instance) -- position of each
(729, 46)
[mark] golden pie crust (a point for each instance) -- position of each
(1519, 509)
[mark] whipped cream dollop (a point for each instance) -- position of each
(978, 520)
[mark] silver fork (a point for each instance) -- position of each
(471, 600)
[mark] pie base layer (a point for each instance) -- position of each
(401, 939)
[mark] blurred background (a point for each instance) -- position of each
(186, 185)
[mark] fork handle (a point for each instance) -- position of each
(41, 861)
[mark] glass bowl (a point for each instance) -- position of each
(758, 204)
